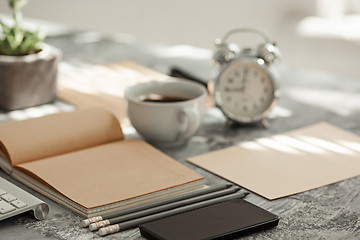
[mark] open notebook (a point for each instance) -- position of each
(81, 160)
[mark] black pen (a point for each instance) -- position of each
(136, 222)
(158, 209)
(88, 221)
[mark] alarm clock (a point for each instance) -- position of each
(245, 85)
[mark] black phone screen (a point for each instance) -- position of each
(220, 221)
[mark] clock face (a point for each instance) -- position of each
(244, 91)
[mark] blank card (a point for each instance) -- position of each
(288, 163)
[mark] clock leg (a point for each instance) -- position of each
(265, 123)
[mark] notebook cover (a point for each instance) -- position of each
(220, 221)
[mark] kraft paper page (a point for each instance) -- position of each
(104, 85)
(288, 163)
(111, 172)
(33, 139)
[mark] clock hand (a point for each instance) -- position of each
(241, 89)
(244, 79)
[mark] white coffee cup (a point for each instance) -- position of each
(168, 112)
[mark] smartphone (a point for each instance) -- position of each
(224, 220)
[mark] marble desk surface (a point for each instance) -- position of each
(307, 96)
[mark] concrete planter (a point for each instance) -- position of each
(30, 80)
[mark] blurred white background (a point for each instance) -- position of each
(319, 35)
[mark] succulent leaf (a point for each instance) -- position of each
(16, 41)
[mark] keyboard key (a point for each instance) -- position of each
(6, 207)
(8, 197)
(15, 201)
(2, 192)
(18, 203)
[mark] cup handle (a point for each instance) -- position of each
(189, 121)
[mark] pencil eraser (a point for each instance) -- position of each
(100, 224)
(85, 222)
(102, 231)
(109, 229)
(93, 227)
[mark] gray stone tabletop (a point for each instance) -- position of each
(330, 212)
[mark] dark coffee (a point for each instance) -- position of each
(163, 98)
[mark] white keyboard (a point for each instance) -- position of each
(14, 201)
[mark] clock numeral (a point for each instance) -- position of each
(246, 70)
(245, 108)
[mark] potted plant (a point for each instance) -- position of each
(28, 66)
